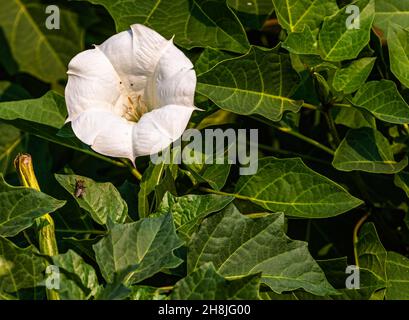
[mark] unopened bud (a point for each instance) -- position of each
(24, 167)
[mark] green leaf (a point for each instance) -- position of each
(294, 15)
(187, 211)
(398, 43)
(371, 253)
(39, 51)
(289, 186)
(338, 42)
(351, 78)
(78, 280)
(215, 175)
(252, 13)
(383, 100)
(150, 179)
(390, 12)
(147, 293)
(259, 82)
(388, 266)
(102, 200)
(366, 149)
(197, 23)
(209, 58)
(147, 244)
(285, 264)
(206, 284)
(303, 42)
(10, 144)
(353, 117)
(397, 273)
(20, 206)
(48, 110)
(402, 181)
(335, 270)
(19, 268)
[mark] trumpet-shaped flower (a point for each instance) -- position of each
(132, 95)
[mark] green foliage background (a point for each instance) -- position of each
(332, 187)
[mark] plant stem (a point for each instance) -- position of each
(297, 135)
(45, 224)
(309, 106)
(291, 153)
(306, 139)
(333, 128)
(80, 231)
(355, 238)
(406, 127)
(342, 105)
(132, 169)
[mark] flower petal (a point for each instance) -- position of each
(105, 132)
(174, 80)
(157, 129)
(92, 83)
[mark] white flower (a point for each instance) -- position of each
(132, 95)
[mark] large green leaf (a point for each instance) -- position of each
(335, 270)
(371, 253)
(102, 200)
(289, 186)
(209, 58)
(187, 211)
(19, 268)
(229, 240)
(397, 274)
(398, 43)
(390, 267)
(303, 42)
(366, 149)
(383, 100)
(390, 12)
(20, 206)
(353, 117)
(338, 42)
(147, 245)
(196, 23)
(78, 280)
(206, 284)
(351, 78)
(39, 51)
(48, 110)
(260, 82)
(294, 15)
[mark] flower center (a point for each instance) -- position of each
(135, 108)
(133, 104)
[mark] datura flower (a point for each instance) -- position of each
(132, 95)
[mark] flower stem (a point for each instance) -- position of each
(355, 237)
(45, 224)
(135, 172)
